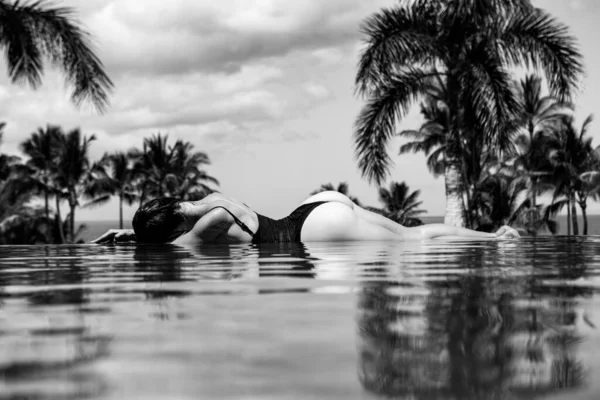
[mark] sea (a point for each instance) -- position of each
(95, 229)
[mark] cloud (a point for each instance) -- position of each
(179, 36)
(576, 4)
(223, 73)
(317, 91)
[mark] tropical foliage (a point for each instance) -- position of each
(573, 158)
(59, 166)
(400, 204)
(468, 48)
(163, 170)
(33, 31)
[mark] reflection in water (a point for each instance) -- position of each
(462, 321)
(285, 260)
(51, 358)
(479, 335)
(44, 357)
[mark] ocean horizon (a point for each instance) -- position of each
(96, 228)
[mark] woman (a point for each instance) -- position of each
(326, 216)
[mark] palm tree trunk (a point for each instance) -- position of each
(455, 211)
(72, 224)
(583, 206)
(533, 193)
(61, 232)
(72, 205)
(574, 214)
(534, 211)
(569, 215)
(46, 207)
(120, 210)
(454, 199)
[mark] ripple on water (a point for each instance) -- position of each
(462, 320)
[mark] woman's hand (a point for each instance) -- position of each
(116, 236)
(506, 232)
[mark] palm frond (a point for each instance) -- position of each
(38, 29)
(395, 36)
(554, 111)
(538, 40)
(375, 124)
(490, 94)
(585, 126)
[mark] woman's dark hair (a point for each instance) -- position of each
(157, 220)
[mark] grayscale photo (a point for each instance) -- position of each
(312, 199)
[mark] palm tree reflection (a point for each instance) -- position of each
(55, 358)
(478, 335)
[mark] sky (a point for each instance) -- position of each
(264, 87)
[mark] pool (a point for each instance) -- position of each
(462, 320)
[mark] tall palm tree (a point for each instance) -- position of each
(191, 183)
(342, 188)
(471, 45)
(6, 161)
(431, 139)
(152, 166)
(41, 147)
(538, 115)
(588, 180)
(589, 187)
(73, 171)
(33, 31)
(117, 181)
(571, 155)
(20, 223)
(400, 204)
(164, 170)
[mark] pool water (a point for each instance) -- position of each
(431, 320)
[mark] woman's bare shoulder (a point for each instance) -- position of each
(218, 198)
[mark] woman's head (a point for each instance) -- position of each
(159, 221)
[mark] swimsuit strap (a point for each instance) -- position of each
(237, 221)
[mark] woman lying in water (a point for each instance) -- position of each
(325, 217)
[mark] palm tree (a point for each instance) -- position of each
(74, 171)
(342, 188)
(498, 201)
(470, 45)
(19, 222)
(119, 181)
(32, 31)
(400, 204)
(152, 167)
(164, 170)
(571, 155)
(430, 138)
(589, 187)
(538, 115)
(191, 178)
(41, 148)
(6, 161)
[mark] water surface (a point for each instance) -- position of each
(464, 320)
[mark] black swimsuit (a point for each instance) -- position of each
(284, 230)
